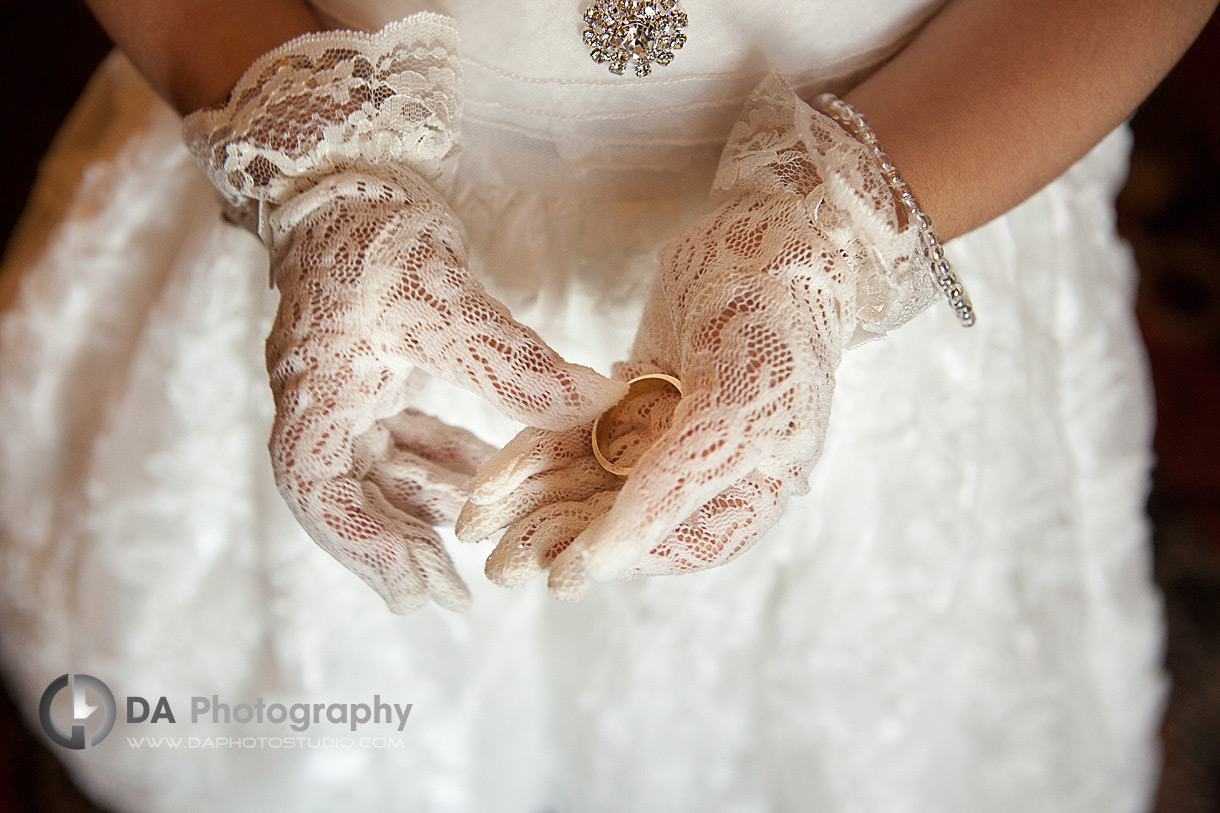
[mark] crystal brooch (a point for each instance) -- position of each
(634, 32)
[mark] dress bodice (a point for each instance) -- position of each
(532, 90)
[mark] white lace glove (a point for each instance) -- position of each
(335, 145)
(751, 310)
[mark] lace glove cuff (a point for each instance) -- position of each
(334, 101)
(782, 146)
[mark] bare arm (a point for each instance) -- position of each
(193, 51)
(989, 103)
(996, 98)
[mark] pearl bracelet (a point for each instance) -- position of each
(850, 120)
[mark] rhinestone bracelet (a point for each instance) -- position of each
(850, 120)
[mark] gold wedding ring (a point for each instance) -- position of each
(653, 382)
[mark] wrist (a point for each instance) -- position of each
(909, 213)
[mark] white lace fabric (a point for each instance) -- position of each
(782, 146)
(337, 140)
(334, 99)
(751, 309)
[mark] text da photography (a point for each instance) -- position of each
(297, 716)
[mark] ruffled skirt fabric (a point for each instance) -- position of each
(959, 616)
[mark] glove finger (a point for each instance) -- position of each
(570, 572)
(579, 480)
(746, 379)
(578, 475)
(335, 513)
(427, 552)
(529, 545)
(534, 450)
(716, 533)
(720, 530)
(419, 488)
(451, 447)
(317, 468)
(569, 579)
(515, 370)
(462, 334)
(530, 452)
(701, 455)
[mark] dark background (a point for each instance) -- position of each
(1169, 210)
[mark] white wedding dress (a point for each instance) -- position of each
(958, 617)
